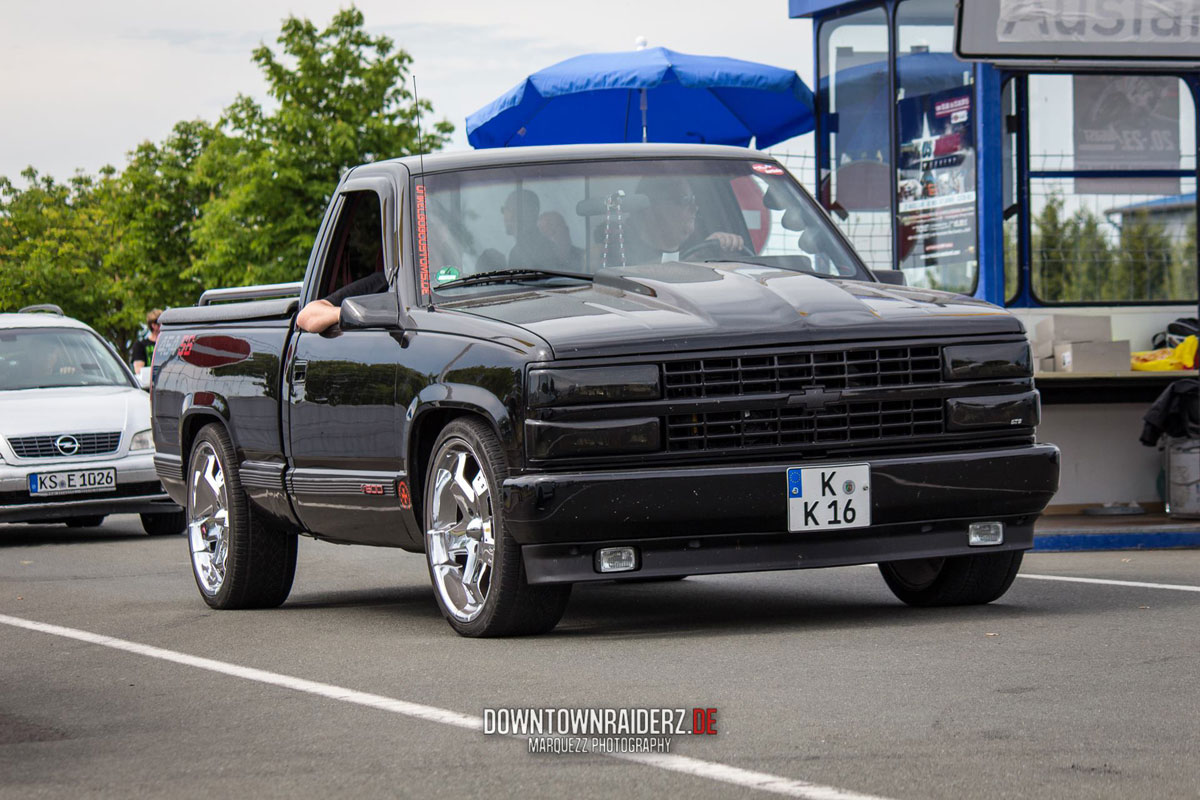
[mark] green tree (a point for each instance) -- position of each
(1012, 260)
(1073, 257)
(157, 206)
(1144, 258)
(55, 242)
(343, 99)
(1187, 266)
(229, 204)
(1091, 264)
(1051, 252)
(108, 248)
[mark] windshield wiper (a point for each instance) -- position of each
(738, 261)
(510, 275)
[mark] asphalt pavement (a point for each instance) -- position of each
(824, 685)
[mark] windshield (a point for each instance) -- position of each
(42, 358)
(583, 217)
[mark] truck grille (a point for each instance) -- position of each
(856, 421)
(90, 444)
(869, 367)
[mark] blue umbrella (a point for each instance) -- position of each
(654, 95)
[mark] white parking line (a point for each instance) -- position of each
(711, 770)
(1179, 587)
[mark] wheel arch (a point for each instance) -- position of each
(193, 418)
(431, 411)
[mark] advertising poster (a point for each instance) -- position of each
(937, 185)
(1126, 122)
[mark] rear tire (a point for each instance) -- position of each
(956, 581)
(238, 559)
(85, 522)
(164, 524)
(474, 563)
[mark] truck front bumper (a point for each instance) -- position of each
(733, 518)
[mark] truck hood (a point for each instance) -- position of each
(684, 306)
(74, 409)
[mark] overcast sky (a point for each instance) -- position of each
(84, 81)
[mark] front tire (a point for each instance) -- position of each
(475, 565)
(238, 560)
(956, 581)
(164, 524)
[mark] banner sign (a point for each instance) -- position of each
(1126, 122)
(936, 200)
(1091, 30)
(1099, 21)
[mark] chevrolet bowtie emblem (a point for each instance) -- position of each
(814, 398)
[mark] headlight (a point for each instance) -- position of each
(580, 386)
(142, 440)
(983, 361)
(998, 411)
(594, 438)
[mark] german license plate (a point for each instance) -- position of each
(73, 481)
(829, 497)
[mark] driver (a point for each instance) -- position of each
(660, 232)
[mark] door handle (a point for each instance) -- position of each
(299, 371)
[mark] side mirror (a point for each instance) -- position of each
(371, 312)
(144, 378)
(892, 276)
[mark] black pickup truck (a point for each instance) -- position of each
(593, 363)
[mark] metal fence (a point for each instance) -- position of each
(1093, 240)
(1108, 239)
(869, 231)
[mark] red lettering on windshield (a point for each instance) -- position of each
(422, 240)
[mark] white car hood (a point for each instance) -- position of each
(74, 409)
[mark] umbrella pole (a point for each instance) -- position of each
(644, 128)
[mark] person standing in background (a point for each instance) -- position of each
(143, 349)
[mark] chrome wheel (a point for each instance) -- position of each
(208, 519)
(460, 539)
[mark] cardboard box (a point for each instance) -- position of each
(1045, 364)
(1092, 356)
(1063, 328)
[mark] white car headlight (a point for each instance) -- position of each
(142, 440)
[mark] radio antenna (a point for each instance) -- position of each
(420, 136)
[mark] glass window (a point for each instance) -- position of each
(580, 217)
(856, 184)
(1123, 235)
(357, 247)
(935, 119)
(44, 358)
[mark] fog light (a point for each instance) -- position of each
(982, 534)
(616, 559)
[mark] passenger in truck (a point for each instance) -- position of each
(554, 227)
(530, 247)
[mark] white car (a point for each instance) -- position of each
(75, 441)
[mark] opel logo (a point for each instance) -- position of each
(67, 445)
